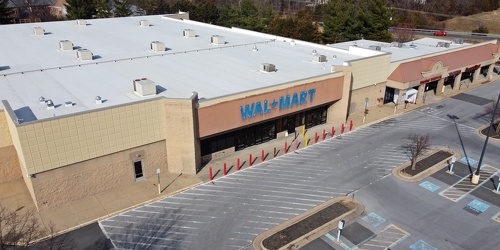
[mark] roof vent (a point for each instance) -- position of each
(412, 45)
(443, 44)
(292, 42)
(218, 40)
(81, 22)
(84, 54)
(314, 52)
(50, 104)
(144, 87)
(319, 58)
(41, 100)
(188, 33)
(38, 31)
(98, 100)
(254, 48)
(65, 45)
(375, 47)
(144, 23)
(68, 104)
(157, 46)
(267, 67)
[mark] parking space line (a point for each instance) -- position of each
(463, 187)
(385, 236)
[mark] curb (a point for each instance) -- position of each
(359, 209)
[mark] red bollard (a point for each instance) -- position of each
(316, 137)
(342, 131)
(286, 147)
(262, 155)
(239, 165)
(225, 169)
(333, 131)
(296, 144)
(350, 126)
(250, 159)
(324, 134)
(211, 177)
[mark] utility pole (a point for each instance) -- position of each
(475, 176)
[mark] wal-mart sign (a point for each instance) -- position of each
(285, 102)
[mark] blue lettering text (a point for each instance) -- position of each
(295, 100)
(284, 102)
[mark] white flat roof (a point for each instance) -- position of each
(34, 66)
(414, 49)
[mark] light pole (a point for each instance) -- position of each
(475, 176)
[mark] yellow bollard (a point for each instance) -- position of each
(307, 140)
(303, 130)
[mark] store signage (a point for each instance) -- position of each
(282, 103)
(430, 79)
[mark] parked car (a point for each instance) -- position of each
(440, 33)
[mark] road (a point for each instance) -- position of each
(229, 212)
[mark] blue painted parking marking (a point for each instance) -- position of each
(374, 219)
(422, 245)
(429, 186)
(471, 161)
(478, 206)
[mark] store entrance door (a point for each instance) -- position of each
(389, 95)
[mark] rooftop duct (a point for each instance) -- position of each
(319, 58)
(81, 22)
(144, 87)
(84, 54)
(38, 31)
(157, 46)
(65, 45)
(144, 23)
(218, 40)
(267, 67)
(188, 33)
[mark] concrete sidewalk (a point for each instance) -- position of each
(15, 195)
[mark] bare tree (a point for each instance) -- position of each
(404, 33)
(489, 110)
(416, 145)
(18, 230)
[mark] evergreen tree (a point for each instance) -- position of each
(149, 6)
(5, 12)
(205, 11)
(229, 16)
(102, 9)
(79, 9)
(122, 8)
(378, 21)
(249, 17)
(337, 18)
(183, 5)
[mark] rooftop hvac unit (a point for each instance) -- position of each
(81, 22)
(218, 40)
(396, 44)
(375, 47)
(38, 31)
(144, 87)
(458, 41)
(144, 23)
(319, 58)
(267, 67)
(157, 46)
(65, 45)
(84, 54)
(443, 44)
(188, 33)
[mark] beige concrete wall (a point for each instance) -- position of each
(5, 137)
(9, 164)
(183, 146)
(370, 71)
(56, 142)
(337, 112)
(374, 93)
(79, 180)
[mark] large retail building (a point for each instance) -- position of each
(91, 105)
